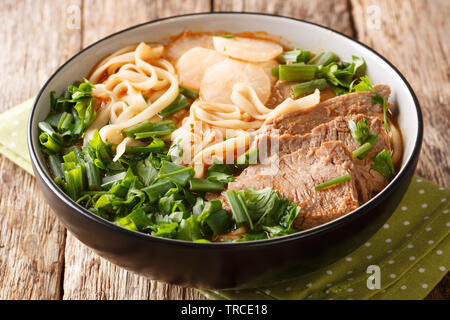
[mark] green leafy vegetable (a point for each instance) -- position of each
(362, 136)
(360, 131)
(69, 117)
(176, 173)
(263, 210)
(179, 103)
(365, 85)
(382, 163)
(323, 58)
(294, 56)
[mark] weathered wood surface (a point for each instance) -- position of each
(31, 239)
(39, 260)
(413, 35)
(331, 13)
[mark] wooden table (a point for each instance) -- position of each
(39, 259)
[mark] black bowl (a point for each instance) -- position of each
(230, 265)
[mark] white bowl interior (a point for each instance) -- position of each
(296, 33)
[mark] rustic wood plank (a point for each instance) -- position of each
(31, 239)
(331, 13)
(413, 35)
(86, 275)
(121, 14)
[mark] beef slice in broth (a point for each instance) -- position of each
(296, 174)
(368, 181)
(306, 119)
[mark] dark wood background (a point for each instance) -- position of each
(39, 259)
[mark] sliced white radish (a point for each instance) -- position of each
(219, 79)
(267, 66)
(176, 48)
(192, 65)
(255, 50)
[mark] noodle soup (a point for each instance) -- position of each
(222, 138)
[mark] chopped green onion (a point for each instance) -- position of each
(218, 221)
(158, 189)
(167, 230)
(176, 173)
(159, 128)
(333, 182)
(69, 166)
(189, 229)
(323, 58)
(296, 72)
(93, 176)
(74, 180)
(47, 128)
(71, 157)
(179, 103)
(363, 150)
(296, 55)
(149, 134)
(228, 36)
(65, 121)
(308, 87)
(155, 146)
(249, 157)
(219, 177)
(48, 142)
(205, 185)
(55, 163)
(275, 71)
(202, 241)
(253, 236)
(108, 181)
(238, 209)
(189, 93)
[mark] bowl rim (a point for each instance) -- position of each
(329, 226)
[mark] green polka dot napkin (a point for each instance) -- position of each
(13, 134)
(412, 249)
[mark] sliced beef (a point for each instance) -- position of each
(314, 145)
(296, 176)
(368, 181)
(304, 120)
